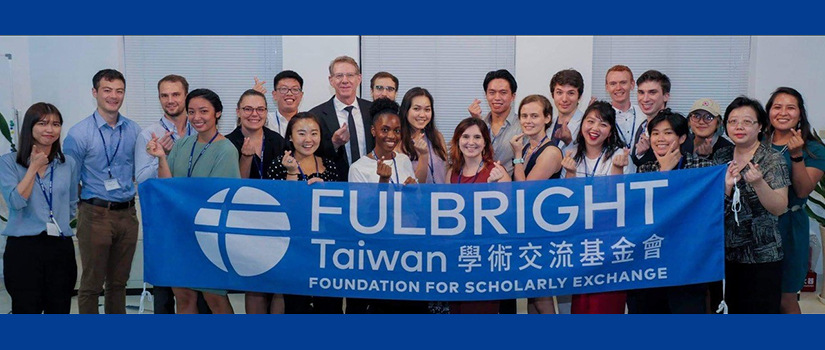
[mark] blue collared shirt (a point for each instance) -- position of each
(146, 166)
(28, 217)
(85, 145)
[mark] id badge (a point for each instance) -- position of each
(111, 184)
(52, 229)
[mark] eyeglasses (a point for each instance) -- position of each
(699, 116)
(746, 123)
(249, 110)
(381, 88)
(341, 76)
(283, 90)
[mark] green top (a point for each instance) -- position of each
(219, 160)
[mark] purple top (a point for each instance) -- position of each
(437, 170)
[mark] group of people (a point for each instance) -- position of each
(773, 163)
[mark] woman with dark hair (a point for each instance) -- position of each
(753, 245)
(207, 154)
(39, 184)
(420, 139)
(471, 161)
(258, 146)
(597, 154)
(539, 159)
(303, 162)
(668, 132)
(706, 130)
(790, 133)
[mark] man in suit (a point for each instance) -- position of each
(345, 133)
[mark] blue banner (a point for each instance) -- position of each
(436, 242)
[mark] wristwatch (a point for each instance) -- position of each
(518, 161)
(797, 159)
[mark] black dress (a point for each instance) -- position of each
(274, 146)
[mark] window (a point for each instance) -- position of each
(224, 64)
(451, 68)
(698, 67)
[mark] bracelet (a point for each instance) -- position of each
(247, 155)
(518, 161)
(293, 174)
(797, 159)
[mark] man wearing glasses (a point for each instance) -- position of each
(705, 120)
(345, 117)
(383, 84)
(287, 95)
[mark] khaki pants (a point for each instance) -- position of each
(107, 240)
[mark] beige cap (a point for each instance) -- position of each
(706, 104)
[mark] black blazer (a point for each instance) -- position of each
(329, 123)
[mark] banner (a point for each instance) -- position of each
(436, 242)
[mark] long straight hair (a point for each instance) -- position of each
(607, 114)
(430, 130)
(456, 158)
(34, 114)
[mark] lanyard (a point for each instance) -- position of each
(679, 166)
(594, 167)
(192, 152)
(260, 162)
(632, 128)
(105, 149)
(431, 165)
(478, 171)
(393, 164)
(172, 135)
(278, 120)
(304, 176)
(532, 155)
(50, 195)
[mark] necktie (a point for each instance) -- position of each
(353, 136)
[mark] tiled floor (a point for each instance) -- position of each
(808, 303)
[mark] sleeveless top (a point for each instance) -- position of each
(530, 163)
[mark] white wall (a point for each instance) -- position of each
(796, 62)
(539, 57)
(310, 56)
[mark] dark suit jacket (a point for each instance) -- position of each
(329, 121)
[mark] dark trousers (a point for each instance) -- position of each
(507, 306)
(688, 299)
(40, 274)
(753, 288)
(164, 301)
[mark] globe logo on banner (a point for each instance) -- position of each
(239, 228)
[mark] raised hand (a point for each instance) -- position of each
(341, 136)
(475, 109)
(622, 159)
(498, 173)
(315, 180)
(166, 142)
(250, 147)
(259, 86)
(289, 162)
(671, 159)
(643, 145)
(753, 174)
(564, 134)
(702, 147)
(419, 144)
(38, 159)
(568, 163)
(154, 148)
(517, 142)
(732, 175)
(410, 180)
(383, 170)
(795, 144)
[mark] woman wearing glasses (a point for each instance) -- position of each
(207, 154)
(39, 184)
(756, 193)
(791, 135)
(705, 121)
(258, 146)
